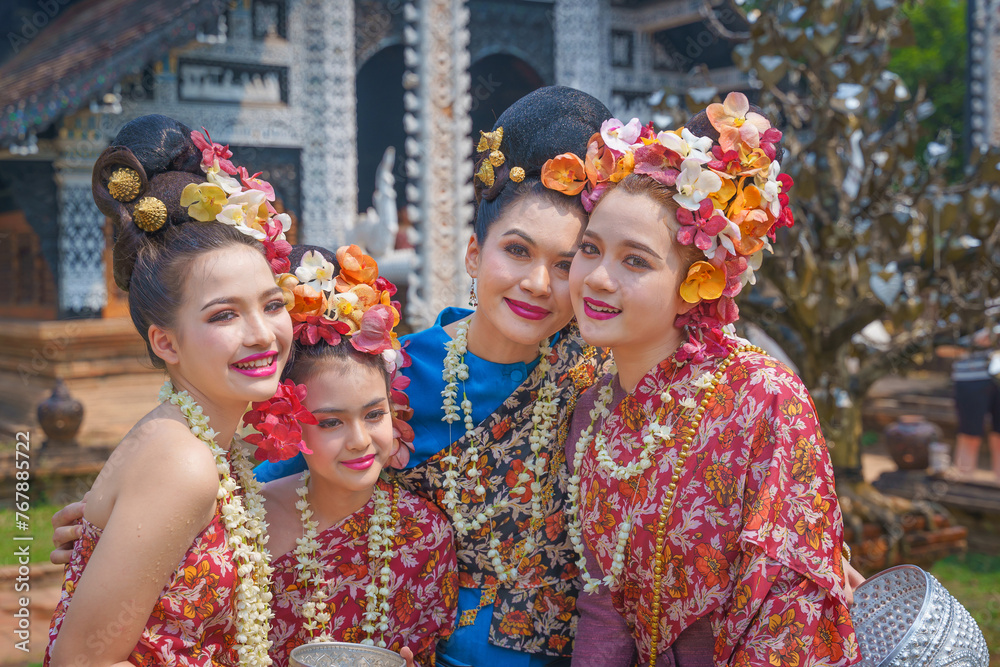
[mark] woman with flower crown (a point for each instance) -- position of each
(702, 502)
(356, 558)
(492, 391)
(170, 566)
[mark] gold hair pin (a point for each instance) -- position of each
(150, 214)
(124, 184)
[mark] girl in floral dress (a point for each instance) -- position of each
(702, 499)
(489, 452)
(356, 558)
(170, 567)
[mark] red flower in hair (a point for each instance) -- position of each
(254, 183)
(375, 335)
(278, 422)
(311, 328)
(276, 248)
(402, 432)
(211, 151)
(699, 227)
(768, 140)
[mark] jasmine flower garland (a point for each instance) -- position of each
(381, 531)
(246, 531)
(543, 416)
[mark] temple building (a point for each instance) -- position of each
(312, 93)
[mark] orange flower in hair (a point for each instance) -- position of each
(356, 268)
(307, 302)
(564, 173)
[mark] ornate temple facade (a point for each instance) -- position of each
(312, 93)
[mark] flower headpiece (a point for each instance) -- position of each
(326, 306)
(244, 202)
(731, 195)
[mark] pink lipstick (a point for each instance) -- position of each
(526, 310)
(259, 365)
(363, 463)
(599, 310)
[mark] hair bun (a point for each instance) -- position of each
(118, 179)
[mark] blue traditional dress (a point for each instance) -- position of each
(531, 621)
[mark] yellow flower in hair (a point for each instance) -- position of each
(704, 281)
(204, 200)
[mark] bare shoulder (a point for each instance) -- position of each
(284, 525)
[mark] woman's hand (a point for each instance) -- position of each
(66, 530)
(852, 579)
(406, 654)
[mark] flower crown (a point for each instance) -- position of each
(244, 202)
(356, 302)
(732, 195)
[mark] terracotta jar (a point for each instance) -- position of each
(909, 440)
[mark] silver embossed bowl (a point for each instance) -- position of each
(904, 617)
(341, 654)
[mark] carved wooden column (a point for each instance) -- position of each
(439, 150)
(329, 154)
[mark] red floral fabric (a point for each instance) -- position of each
(193, 622)
(423, 586)
(754, 537)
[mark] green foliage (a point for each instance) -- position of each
(937, 61)
(974, 580)
(39, 528)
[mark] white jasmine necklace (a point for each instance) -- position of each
(654, 434)
(381, 530)
(246, 533)
(543, 416)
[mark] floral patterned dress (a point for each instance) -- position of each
(423, 588)
(537, 613)
(193, 623)
(753, 539)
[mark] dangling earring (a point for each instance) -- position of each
(473, 299)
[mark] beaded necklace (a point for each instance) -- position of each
(246, 531)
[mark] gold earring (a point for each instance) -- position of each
(473, 299)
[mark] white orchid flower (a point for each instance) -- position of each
(695, 184)
(754, 262)
(316, 272)
(771, 189)
(687, 145)
(236, 215)
(216, 176)
(620, 137)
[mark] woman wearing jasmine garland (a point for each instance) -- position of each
(702, 501)
(178, 490)
(356, 558)
(488, 452)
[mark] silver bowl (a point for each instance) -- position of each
(342, 654)
(904, 617)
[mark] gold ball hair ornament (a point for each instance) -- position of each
(150, 214)
(124, 184)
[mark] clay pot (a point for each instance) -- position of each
(60, 416)
(909, 440)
